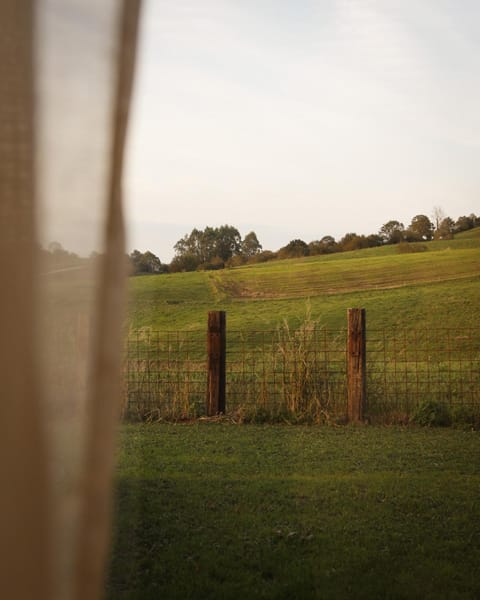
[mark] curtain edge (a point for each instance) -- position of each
(105, 393)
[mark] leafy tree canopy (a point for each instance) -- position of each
(421, 228)
(392, 232)
(352, 241)
(250, 245)
(326, 245)
(464, 223)
(146, 262)
(294, 249)
(445, 229)
(212, 248)
(219, 247)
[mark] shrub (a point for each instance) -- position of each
(237, 260)
(262, 257)
(432, 414)
(408, 248)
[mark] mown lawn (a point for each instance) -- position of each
(216, 510)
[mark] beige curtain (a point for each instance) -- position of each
(66, 74)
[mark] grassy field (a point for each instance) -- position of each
(284, 373)
(214, 510)
(435, 288)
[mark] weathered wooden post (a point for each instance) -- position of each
(216, 350)
(356, 365)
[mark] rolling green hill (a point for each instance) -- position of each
(438, 287)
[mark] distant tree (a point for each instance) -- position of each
(315, 247)
(56, 257)
(200, 248)
(464, 223)
(192, 245)
(152, 263)
(134, 257)
(445, 229)
(250, 245)
(294, 249)
(263, 256)
(56, 249)
(213, 264)
(374, 240)
(329, 242)
(392, 232)
(438, 216)
(228, 242)
(184, 262)
(352, 241)
(206, 244)
(326, 245)
(146, 262)
(421, 228)
(236, 261)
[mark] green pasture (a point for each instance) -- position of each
(410, 299)
(435, 288)
(221, 511)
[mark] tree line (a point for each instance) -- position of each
(207, 249)
(220, 247)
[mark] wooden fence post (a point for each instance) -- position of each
(216, 350)
(356, 365)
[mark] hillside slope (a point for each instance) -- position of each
(438, 287)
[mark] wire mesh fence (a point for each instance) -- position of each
(300, 375)
(283, 374)
(165, 374)
(408, 367)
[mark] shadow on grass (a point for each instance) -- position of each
(257, 537)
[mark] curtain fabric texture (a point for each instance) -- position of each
(65, 86)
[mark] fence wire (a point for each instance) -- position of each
(165, 374)
(407, 367)
(300, 375)
(284, 374)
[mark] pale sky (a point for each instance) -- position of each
(302, 118)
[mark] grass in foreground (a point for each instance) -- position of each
(212, 510)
